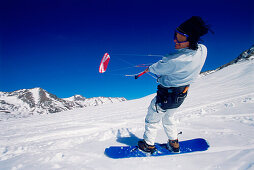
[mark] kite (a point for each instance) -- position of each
(104, 63)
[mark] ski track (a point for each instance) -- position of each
(77, 139)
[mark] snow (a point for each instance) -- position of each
(35, 94)
(219, 108)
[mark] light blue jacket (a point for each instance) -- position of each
(180, 68)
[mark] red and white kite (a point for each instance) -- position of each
(104, 63)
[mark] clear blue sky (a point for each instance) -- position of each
(58, 45)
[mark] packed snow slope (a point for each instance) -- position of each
(219, 108)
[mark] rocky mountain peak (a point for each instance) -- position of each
(244, 56)
(38, 101)
(76, 97)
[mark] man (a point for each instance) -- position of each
(176, 72)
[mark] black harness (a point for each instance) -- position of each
(172, 97)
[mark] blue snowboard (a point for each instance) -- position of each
(188, 146)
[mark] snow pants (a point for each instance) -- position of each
(153, 120)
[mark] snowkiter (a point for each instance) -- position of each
(176, 72)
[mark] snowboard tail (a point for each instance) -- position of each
(188, 146)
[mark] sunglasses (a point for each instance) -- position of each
(175, 37)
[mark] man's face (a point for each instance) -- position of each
(180, 41)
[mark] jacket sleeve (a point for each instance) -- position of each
(163, 67)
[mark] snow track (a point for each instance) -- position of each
(219, 108)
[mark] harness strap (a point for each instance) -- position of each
(186, 89)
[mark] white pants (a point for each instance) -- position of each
(152, 123)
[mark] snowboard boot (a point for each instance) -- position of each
(173, 145)
(142, 145)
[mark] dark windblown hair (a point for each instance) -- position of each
(195, 28)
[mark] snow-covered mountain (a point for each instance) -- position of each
(244, 56)
(219, 108)
(38, 101)
(94, 101)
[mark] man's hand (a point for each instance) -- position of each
(140, 74)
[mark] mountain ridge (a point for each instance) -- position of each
(244, 56)
(27, 102)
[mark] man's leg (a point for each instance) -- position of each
(169, 124)
(152, 122)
